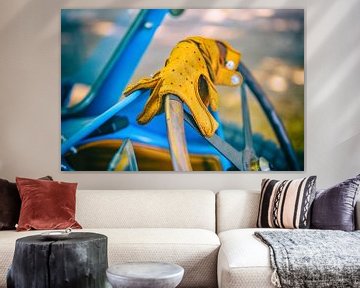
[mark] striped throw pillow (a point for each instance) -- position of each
(286, 204)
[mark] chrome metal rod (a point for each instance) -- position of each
(246, 118)
(124, 159)
(229, 152)
(249, 156)
(176, 133)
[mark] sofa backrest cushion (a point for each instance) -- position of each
(236, 209)
(146, 209)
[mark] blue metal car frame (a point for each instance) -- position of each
(98, 121)
(109, 86)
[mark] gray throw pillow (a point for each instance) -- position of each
(334, 208)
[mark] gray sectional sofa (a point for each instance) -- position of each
(210, 235)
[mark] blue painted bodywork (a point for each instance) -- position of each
(153, 133)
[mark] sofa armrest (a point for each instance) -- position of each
(357, 215)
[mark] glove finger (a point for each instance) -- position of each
(152, 106)
(204, 120)
(145, 83)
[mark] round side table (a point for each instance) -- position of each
(145, 275)
(80, 261)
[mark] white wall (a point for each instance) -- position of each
(30, 94)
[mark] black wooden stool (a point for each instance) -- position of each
(78, 261)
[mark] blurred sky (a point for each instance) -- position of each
(271, 43)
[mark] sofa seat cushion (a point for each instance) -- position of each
(194, 249)
(244, 261)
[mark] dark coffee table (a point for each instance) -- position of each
(145, 275)
(79, 260)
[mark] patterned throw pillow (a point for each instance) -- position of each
(286, 204)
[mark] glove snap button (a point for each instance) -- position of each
(230, 65)
(235, 79)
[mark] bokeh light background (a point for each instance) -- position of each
(271, 42)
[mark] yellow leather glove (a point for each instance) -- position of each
(190, 72)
